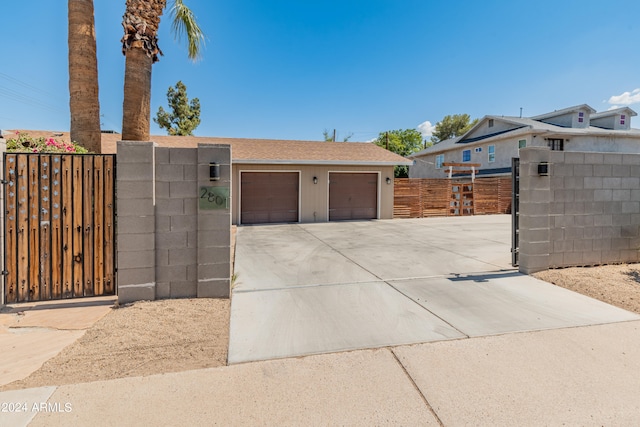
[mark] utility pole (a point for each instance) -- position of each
(334, 136)
(387, 135)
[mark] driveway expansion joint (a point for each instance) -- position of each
(311, 285)
(427, 310)
(415, 386)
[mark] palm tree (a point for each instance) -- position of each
(84, 104)
(140, 47)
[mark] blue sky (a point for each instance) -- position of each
(288, 69)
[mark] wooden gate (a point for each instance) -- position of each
(59, 221)
(461, 198)
(425, 197)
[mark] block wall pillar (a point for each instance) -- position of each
(135, 186)
(214, 222)
(534, 238)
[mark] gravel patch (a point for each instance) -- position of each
(617, 285)
(139, 339)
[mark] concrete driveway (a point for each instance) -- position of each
(316, 288)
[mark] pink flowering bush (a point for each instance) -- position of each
(23, 143)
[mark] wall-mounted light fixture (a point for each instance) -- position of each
(543, 169)
(214, 171)
(315, 179)
(388, 180)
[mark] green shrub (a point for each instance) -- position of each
(23, 143)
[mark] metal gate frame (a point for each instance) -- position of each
(515, 210)
(59, 222)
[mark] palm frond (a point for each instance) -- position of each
(184, 24)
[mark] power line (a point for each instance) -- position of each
(25, 84)
(28, 100)
(32, 101)
(19, 92)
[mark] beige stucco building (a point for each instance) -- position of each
(495, 140)
(310, 181)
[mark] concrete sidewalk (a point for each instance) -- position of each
(574, 376)
(32, 333)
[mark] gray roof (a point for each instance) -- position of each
(614, 112)
(440, 146)
(527, 125)
(565, 111)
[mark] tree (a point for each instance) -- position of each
(452, 126)
(332, 138)
(185, 116)
(140, 47)
(403, 142)
(84, 105)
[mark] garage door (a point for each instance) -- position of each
(353, 196)
(267, 197)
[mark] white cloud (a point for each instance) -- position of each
(627, 98)
(426, 128)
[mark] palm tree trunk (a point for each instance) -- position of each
(140, 46)
(136, 108)
(84, 104)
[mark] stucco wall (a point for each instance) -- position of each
(498, 126)
(314, 198)
(603, 144)
(586, 212)
(506, 149)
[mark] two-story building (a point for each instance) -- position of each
(495, 140)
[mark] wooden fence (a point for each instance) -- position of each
(59, 223)
(492, 196)
(425, 197)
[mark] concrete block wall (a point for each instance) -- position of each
(535, 194)
(176, 219)
(180, 250)
(586, 212)
(136, 221)
(213, 237)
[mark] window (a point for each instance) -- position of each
(492, 153)
(490, 123)
(522, 143)
(466, 156)
(622, 119)
(580, 117)
(439, 161)
(556, 144)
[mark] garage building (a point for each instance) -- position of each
(308, 181)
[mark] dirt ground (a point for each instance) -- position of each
(617, 285)
(144, 338)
